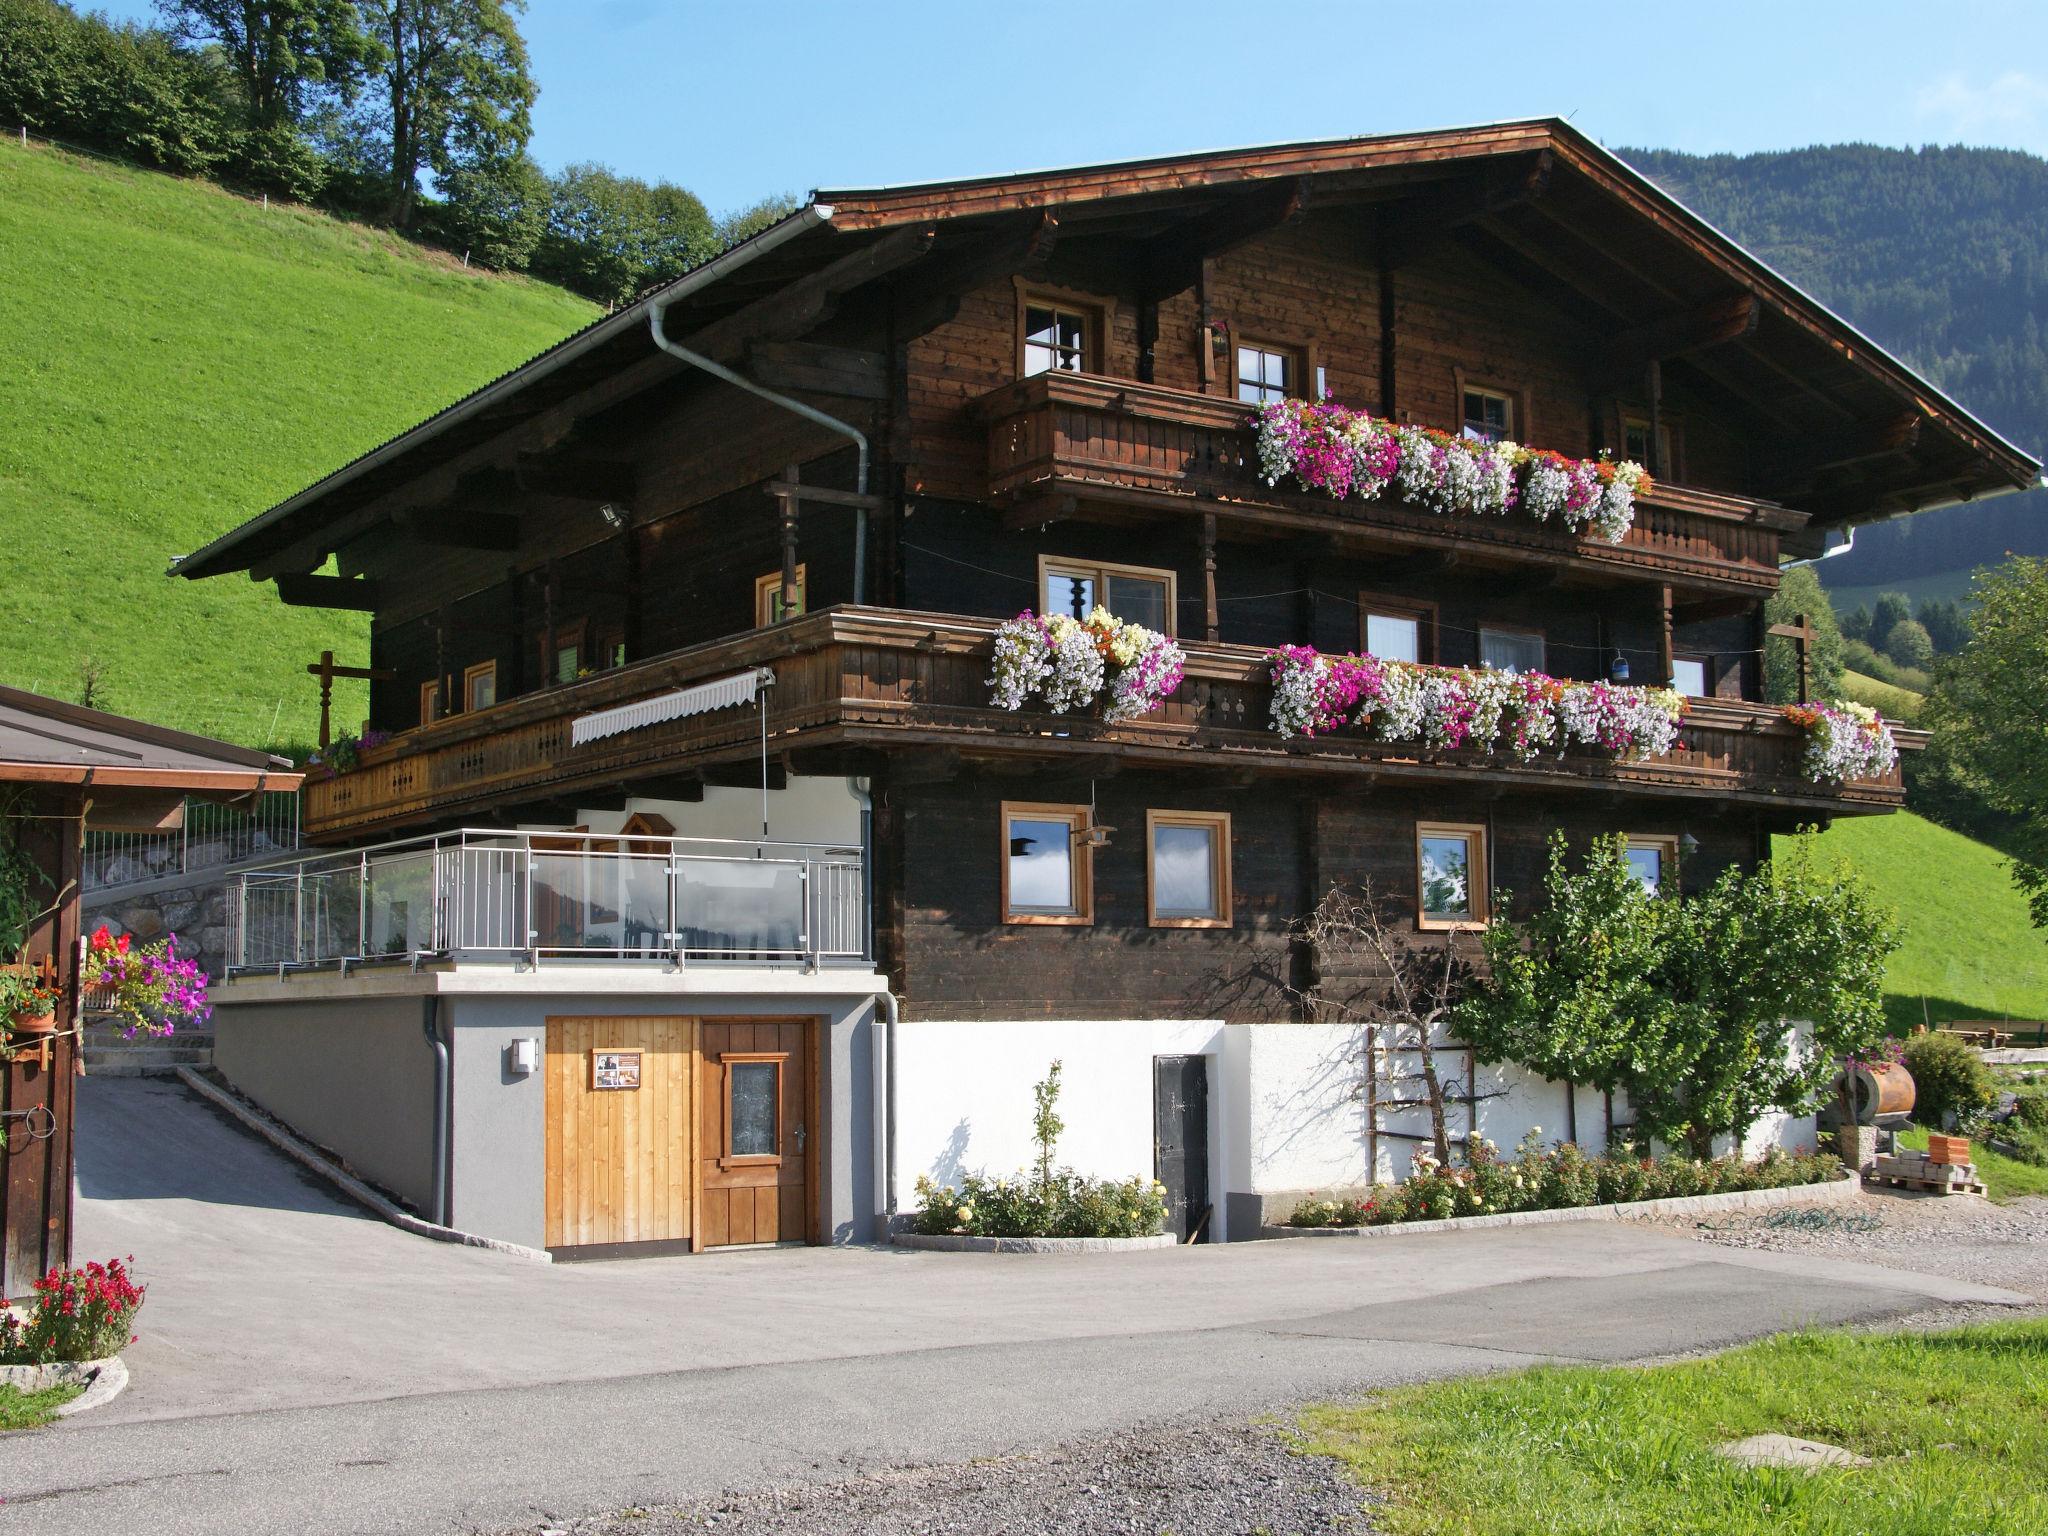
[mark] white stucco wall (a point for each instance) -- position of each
(963, 1096)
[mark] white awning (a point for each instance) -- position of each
(740, 688)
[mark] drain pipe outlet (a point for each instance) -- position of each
(658, 309)
(430, 1025)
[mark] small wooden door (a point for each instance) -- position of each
(758, 1132)
(1180, 1141)
(620, 1112)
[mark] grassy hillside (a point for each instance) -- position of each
(1969, 949)
(174, 359)
(1890, 700)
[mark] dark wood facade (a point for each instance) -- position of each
(599, 527)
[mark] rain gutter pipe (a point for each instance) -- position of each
(430, 1026)
(657, 309)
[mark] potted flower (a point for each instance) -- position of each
(148, 989)
(28, 1002)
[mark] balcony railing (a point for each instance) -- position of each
(1117, 442)
(881, 678)
(553, 897)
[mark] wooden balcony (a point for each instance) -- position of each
(1061, 441)
(850, 681)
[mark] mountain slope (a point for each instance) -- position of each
(1941, 255)
(174, 359)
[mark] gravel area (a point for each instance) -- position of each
(1963, 1237)
(1206, 1480)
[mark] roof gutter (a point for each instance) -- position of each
(657, 308)
(563, 352)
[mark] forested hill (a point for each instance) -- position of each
(1939, 254)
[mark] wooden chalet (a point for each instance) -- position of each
(717, 579)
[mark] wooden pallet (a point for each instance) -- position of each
(1924, 1186)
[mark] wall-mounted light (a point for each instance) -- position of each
(523, 1057)
(613, 514)
(1688, 845)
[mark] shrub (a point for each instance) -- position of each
(77, 1314)
(1951, 1079)
(2031, 1110)
(1066, 1205)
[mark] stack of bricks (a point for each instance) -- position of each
(1944, 1168)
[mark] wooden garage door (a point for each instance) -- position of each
(620, 1158)
(758, 1132)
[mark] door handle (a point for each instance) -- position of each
(800, 1139)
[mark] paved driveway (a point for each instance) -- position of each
(305, 1368)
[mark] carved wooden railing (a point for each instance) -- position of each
(879, 677)
(1107, 440)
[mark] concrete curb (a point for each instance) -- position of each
(318, 1162)
(104, 1380)
(950, 1242)
(1847, 1187)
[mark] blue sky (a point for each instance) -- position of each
(750, 97)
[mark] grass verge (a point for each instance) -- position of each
(29, 1410)
(1956, 1423)
(2005, 1178)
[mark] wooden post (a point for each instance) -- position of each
(1148, 339)
(1211, 627)
(1387, 380)
(787, 504)
(1654, 449)
(1207, 361)
(1664, 643)
(325, 671)
(516, 581)
(548, 676)
(1801, 633)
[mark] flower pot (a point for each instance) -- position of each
(39, 1024)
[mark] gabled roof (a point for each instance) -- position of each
(1808, 371)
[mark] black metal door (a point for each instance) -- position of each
(1180, 1142)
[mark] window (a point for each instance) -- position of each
(1489, 414)
(768, 598)
(1047, 876)
(1450, 875)
(753, 1107)
(1189, 874)
(480, 685)
(1689, 676)
(1635, 442)
(1653, 860)
(1059, 332)
(566, 664)
(1395, 629)
(1134, 593)
(430, 702)
(1267, 373)
(1511, 650)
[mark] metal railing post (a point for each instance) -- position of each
(363, 904)
(299, 916)
(808, 929)
(532, 933)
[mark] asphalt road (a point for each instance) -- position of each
(303, 1368)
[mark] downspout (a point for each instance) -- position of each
(658, 308)
(888, 1017)
(430, 1026)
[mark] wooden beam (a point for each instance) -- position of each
(356, 595)
(934, 296)
(1622, 360)
(818, 369)
(1799, 463)
(578, 477)
(1170, 262)
(807, 303)
(1413, 226)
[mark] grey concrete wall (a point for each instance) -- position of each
(356, 1077)
(497, 1165)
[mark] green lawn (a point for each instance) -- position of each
(173, 360)
(1935, 585)
(28, 1410)
(1956, 1423)
(1970, 951)
(1889, 700)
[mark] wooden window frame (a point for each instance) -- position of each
(727, 1158)
(1666, 845)
(1080, 866)
(566, 635)
(768, 589)
(1477, 865)
(1388, 606)
(1538, 635)
(1050, 565)
(1302, 354)
(1516, 396)
(430, 701)
(1098, 317)
(1674, 433)
(1217, 823)
(469, 676)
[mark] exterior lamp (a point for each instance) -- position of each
(1688, 845)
